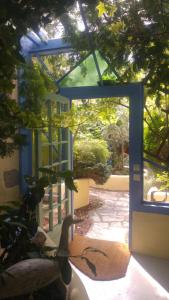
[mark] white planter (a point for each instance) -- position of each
(81, 198)
(114, 183)
(156, 195)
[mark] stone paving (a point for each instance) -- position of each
(111, 220)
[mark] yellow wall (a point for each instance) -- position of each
(114, 183)
(82, 197)
(150, 234)
(9, 167)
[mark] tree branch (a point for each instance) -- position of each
(163, 142)
(154, 156)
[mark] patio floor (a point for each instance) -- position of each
(111, 220)
(146, 277)
(107, 216)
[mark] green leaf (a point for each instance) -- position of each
(91, 249)
(44, 181)
(90, 265)
(70, 184)
(49, 248)
(46, 170)
(17, 224)
(66, 271)
(101, 9)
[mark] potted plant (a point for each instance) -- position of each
(24, 254)
(90, 162)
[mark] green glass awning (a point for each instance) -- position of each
(85, 74)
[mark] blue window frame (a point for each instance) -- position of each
(135, 92)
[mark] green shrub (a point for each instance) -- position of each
(90, 160)
(163, 180)
(91, 151)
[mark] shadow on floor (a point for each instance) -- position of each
(158, 268)
(147, 277)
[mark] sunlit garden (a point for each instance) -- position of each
(50, 140)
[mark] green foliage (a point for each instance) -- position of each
(13, 118)
(99, 172)
(156, 133)
(98, 119)
(91, 151)
(137, 33)
(87, 117)
(18, 222)
(163, 179)
(158, 124)
(54, 177)
(17, 18)
(117, 137)
(133, 38)
(34, 87)
(90, 160)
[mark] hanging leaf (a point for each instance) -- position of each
(68, 177)
(44, 181)
(66, 270)
(49, 248)
(101, 9)
(91, 249)
(90, 265)
(16, 224)
(46, 171)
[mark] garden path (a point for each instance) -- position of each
(106, 217)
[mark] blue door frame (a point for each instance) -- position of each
(135, 93)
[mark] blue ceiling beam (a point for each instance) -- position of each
(92, 92)
(52, 47)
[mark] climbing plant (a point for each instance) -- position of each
(18, 18)
(133, 38)
(33, 88)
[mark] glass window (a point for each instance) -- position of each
(51, 148)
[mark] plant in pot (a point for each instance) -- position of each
(18, 221)
(90, 162)
(27, 270)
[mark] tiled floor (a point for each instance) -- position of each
(110, 221)
(147, 278)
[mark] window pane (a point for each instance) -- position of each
(64, 209)
(55, 194)
(45, 156)
(45, 210)
(64, 151)
(44, 136)
(64, 134)
(55, 154)
(154, 185)
(55, 135)
(55, 216)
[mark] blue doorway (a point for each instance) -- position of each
(134, 92)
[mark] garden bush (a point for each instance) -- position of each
(90, 160)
